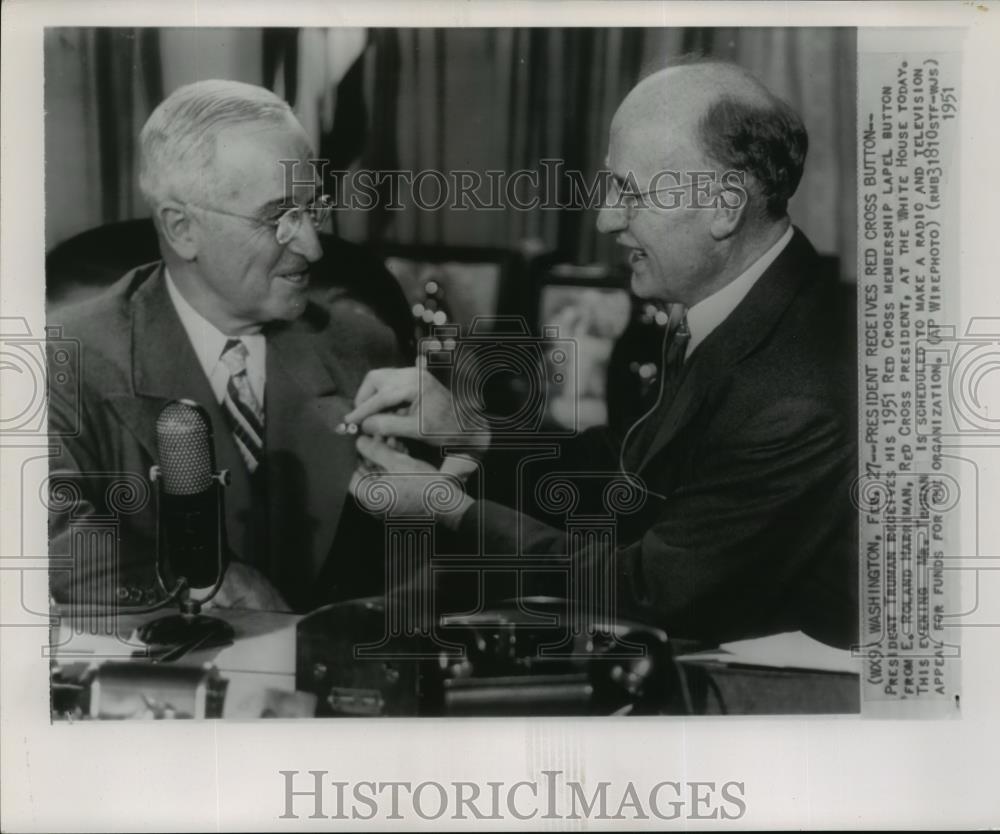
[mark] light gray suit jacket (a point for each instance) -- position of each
(135, 357)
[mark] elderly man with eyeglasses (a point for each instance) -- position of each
(226, 319)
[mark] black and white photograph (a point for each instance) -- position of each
(554, 419)
(573, 412)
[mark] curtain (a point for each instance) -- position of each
(497, 100)
(100, 85)
(476, 99)
(814, 70)
(440, 99)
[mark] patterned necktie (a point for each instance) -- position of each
(673, 360)
(639, 439)
(243, 411)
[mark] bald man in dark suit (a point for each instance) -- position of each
(745, 460)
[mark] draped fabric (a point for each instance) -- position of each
(100, 85)
(502, 100)
(506, 99)
(436, 99)
(814, 70)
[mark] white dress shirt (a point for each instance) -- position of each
(208, 342)
(710, 312)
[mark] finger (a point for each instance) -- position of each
(379, 401)
(423, 378)
(459, 465)
(392, 425)
(372, 382)
(378, 453)
(394, 443)
(398, 389)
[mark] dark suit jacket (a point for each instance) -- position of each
(135, 357)
(754, 458)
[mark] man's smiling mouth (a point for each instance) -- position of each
(635, 253)
(297, 278)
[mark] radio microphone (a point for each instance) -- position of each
(191, 551)
(191, 531)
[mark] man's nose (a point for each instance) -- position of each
(305, 242)
(611, 219)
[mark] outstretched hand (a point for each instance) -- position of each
(392, 481)
(407, 402)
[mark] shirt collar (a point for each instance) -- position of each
(206, 339)
(710, 312)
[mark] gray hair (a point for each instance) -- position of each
(769, 142)
(744, 127)
(177, 143)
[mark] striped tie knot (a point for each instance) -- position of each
(234, 356)
(242, 409)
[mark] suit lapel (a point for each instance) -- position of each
(164, 368)
(741, 332)
(163, 364)
(308, 464)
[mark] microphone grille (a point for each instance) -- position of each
(184, 443)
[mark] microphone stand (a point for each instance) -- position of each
(189, 626)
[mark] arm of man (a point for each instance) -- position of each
(728, 553)
(410, 403)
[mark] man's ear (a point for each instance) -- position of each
(730, 207)
(178, 229)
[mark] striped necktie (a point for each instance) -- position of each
(243, 411)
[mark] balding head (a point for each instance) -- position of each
(686, 91)
(719, 117)
(728, 155)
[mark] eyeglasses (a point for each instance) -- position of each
(632, 201)
(288, 224)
